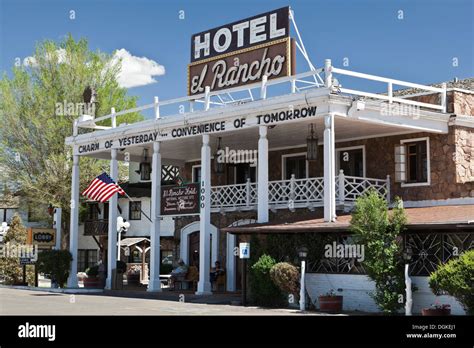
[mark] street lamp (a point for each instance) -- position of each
(407, 256)
(302, 253)
(122, 226)
(311, 145)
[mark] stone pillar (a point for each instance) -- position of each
(154, 284)
(74, 222)
(262, 180)
(112, 238)
(204, 285)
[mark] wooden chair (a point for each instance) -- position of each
(191, 278)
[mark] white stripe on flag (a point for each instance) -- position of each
(87, 190)
(96, 191)
(109, 188)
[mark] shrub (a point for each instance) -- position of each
(286, 277)
(166, 268)
(262, 289)
(56, 263)
(456, 277)
(92, 271)
(378, 231)
(121, 266)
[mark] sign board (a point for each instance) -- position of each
(242, 52)
(43, 237)
(176, 200)
(27, 261)
(244, 250)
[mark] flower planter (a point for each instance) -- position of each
(435, 312)
(330, 304)
(91, 282)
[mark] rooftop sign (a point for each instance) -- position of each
(241, 52)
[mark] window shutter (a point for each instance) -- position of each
(400, 163)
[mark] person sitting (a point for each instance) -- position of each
(179, 273)
(216, 271)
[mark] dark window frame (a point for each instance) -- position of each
(132, 213)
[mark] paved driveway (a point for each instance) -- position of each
(26, 302)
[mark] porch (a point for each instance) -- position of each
(295, 193)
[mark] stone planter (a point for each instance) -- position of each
(330, 304)
(92, 282)
(435, 312)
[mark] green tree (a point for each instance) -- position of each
(262, 289)
(379, 232)
(34, 122)
(10, 268)
(456, 277)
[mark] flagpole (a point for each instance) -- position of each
(130, 198)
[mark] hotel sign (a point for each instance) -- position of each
(177, 200)
(241, 53)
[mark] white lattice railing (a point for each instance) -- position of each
(233, 196)
(351, 187)
(296, 191)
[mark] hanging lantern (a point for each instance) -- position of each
(311, 145)
(219, 166)
(145, 167)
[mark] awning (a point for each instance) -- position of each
(439, 217)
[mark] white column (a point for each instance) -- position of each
(333, 171)
(112, 243)
(57, 226)
(74, 225)
(230, 262)
(262, 181)
(329, 180)
(155, 258)
(204, 285)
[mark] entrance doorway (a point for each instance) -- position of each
(193, 251)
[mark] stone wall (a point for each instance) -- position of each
(464, 154)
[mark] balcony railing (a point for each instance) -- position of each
(295, 193)
(96, 227)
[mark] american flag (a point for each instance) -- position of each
(102, 188)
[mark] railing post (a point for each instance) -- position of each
(113, 117)
(444, 98)
(293, 85)
(390, 92)
(157, 109)
(327, 73)
(207, 98)
(388, 188)
(191, 106)
(263, 88)
(292, 187)
(247, 192)
(342, 188)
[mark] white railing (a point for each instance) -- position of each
(296, 190)
(297, 83)
(234, 196)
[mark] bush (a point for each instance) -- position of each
(166, 268)
(121, 267)
(92, 271)
(262, 289)
(286, 277)
(456, 277)
(56, 263)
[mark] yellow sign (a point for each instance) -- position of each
(43, 237)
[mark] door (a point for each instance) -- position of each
(193, 250)
(352, 162)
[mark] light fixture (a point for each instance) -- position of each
(302, 252)
(219, 165)
(311, 145)
(145, 167)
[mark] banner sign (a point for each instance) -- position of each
(176, 200)
(43, 237)
(246, 33)
(241, 53)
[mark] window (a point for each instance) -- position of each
(351, 160)
(135, 212)
(86, 258)
(92, 211)
(196, 174)
(167, 257)
(294, 164)
(413, 162)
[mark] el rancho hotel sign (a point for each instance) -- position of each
(242, 52)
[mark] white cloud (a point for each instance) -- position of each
(136, 71)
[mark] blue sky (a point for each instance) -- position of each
(418, 48)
